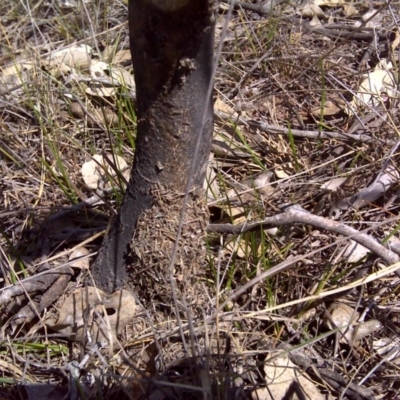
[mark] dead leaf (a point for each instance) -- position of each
(122, 77)
(370, 19)
(107, 78)
(16, 74)
(241, 247)
(223, 107)
(365, 329)
(355, 252)
(329, 3)
(236, 214)
(396, 40)
(334, 184)
(96, 173)
(315, 21)
(116, 57)
(76, 56)
(329, 108)
(312, 10)
(285, 170)
(76, 260)
(349, 10)
(344, 318)
(282, 376)
(104, 316)
(375, 87)
(63, 70)
(250, 190)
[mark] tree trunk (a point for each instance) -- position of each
(172, 54)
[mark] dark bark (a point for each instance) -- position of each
(172, 54)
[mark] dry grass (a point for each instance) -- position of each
(274, 70)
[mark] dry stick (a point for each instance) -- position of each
(58, 281)
(346, 34)
(297, 132)
(337, 381)
(6, 293)
(259, 9)
(295, 214)
(336, 31)
(310, 134)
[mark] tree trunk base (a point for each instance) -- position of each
(152, 246)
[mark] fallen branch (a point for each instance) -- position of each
(310, 134)
(295, 214)
(335, 380)
(277, 130)
(345, 33)
(267, 9)
(49, 284)
(384, 181)
(60, 280)
(38, 283)
(334, 31)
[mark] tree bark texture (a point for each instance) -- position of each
(172, 54)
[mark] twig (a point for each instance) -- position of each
(59, 281)
(295, 132)
(265, 10)
(347, 34)
(40, 282)
(337, 381)
(310, 134)
(296, 214)
(336, 31)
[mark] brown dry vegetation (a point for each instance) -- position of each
(282, 91)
